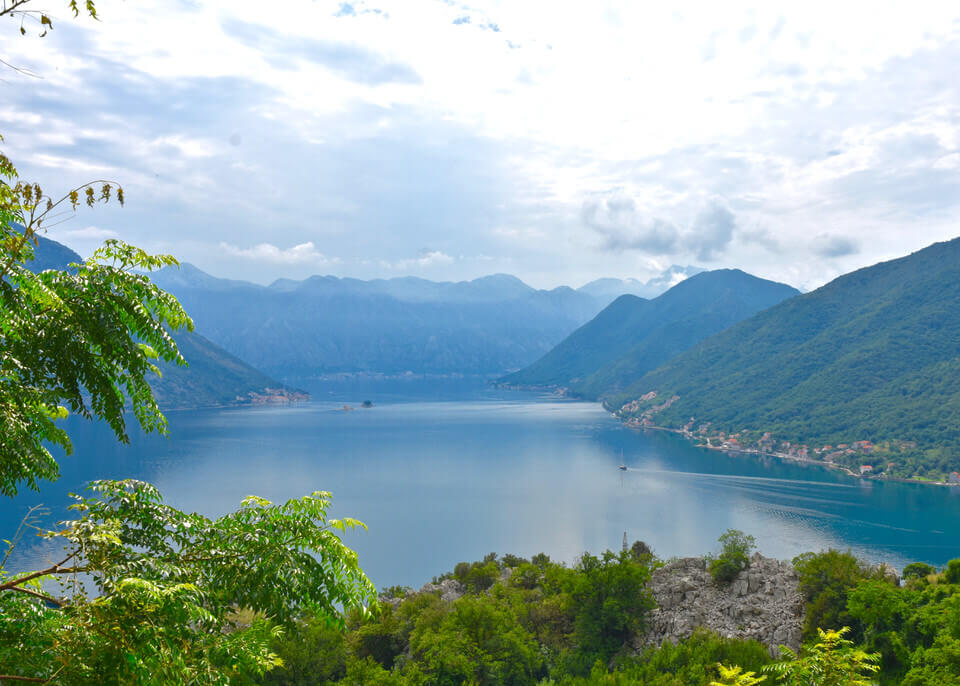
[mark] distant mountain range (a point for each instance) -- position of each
(215, 378)
(863, 371)
(324, 324)
(614, 288)
(633, 335)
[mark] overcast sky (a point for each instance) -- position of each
(559, 142)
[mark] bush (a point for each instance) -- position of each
(951, 574)
(639, 549)
(482, 577)
(461, 570)
(609, 602)
(826, 580)
(734, 556)
(918, 570)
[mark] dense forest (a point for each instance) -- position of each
(872, 356)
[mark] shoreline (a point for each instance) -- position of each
(784, 456)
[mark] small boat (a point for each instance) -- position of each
(623, 468)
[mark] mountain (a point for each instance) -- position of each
(632, 335)
(610, 289)
(214, 378)
(326, 324)
(863, 371)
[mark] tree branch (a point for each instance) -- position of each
(9, 10)
(35, 594)
(54, 569)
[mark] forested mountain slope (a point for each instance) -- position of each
(326, 324)
(872, 356)
(632, 335)
(214, 378)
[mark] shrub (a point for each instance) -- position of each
(734, 556)
(951, 574)
(918, 570)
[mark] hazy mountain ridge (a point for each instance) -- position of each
(632, 335)
(326, 324)
(872, 356)
(651, 288)
(214, 378)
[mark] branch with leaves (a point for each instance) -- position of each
(169, 584)
(18, 9)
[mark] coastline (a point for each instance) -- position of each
(783, 456)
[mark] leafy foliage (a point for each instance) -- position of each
(826, 580)
(734, 557)
(168, 583)
(918, 570)
(736, 676)
(611, 600)
(832, 661)
(83, 340)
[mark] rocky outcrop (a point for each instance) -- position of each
(448, 589)
(763, 603)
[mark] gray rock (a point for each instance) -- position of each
(763, 603)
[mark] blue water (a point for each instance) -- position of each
(443, 472)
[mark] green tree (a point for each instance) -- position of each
(826, 579)
(832, 661)
(734, 557)
(918, 570)
(609, 601)
(951, 573)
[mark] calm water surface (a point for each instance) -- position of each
(448, 472)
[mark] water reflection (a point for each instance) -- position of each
(439, 482)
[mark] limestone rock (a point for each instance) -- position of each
(763, 603)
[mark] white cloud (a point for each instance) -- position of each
(304, 253)
(345, 128)
(426, 258)
(89, 233)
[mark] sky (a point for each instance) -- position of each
(559, 142)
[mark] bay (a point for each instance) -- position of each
(449, 470)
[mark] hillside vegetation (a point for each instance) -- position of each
(632, 335)
(861, 371)
(514, 621)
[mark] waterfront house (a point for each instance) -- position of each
(866, 469)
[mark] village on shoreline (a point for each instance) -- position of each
(639, 414)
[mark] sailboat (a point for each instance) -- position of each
(623, 466)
